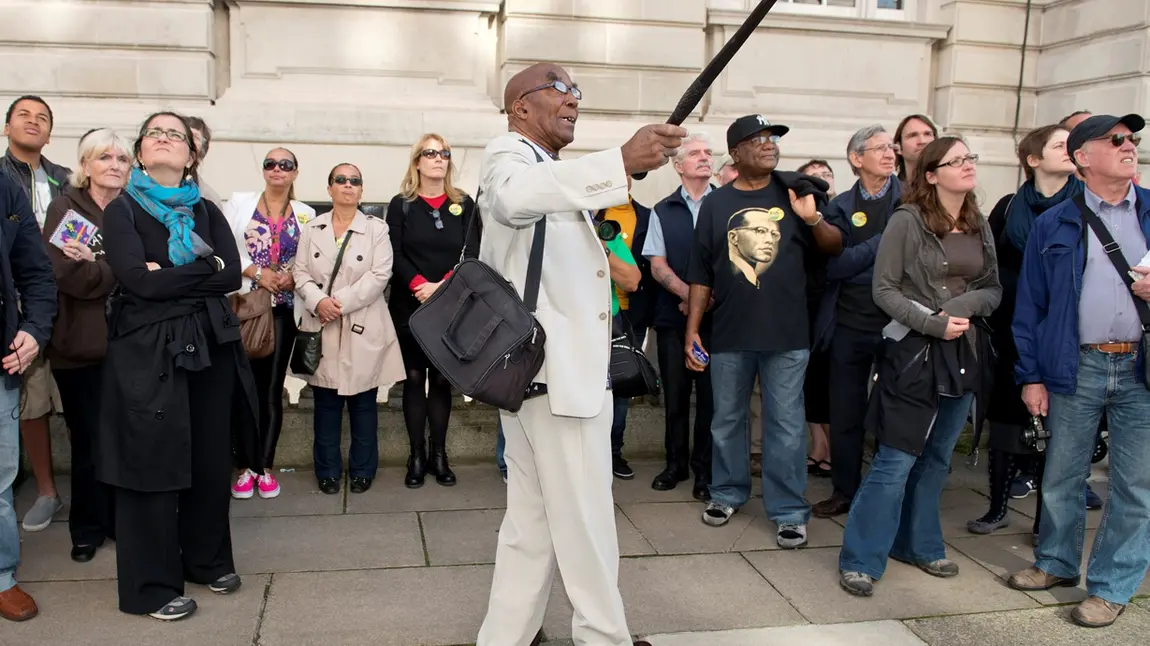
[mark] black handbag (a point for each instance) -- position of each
(308, 348)
(477, 331)
(632, 375)
(1114, 253)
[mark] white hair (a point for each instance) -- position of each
(93, 144)
(694, 136)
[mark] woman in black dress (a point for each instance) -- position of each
(429, 220)
(174, 365)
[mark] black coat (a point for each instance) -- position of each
(25, 274)
(162, 325)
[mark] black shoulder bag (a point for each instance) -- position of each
(632, 375)
(1114, 253)
(477, 331)
(308, 348)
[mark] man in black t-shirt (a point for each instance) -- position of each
(849, 322)
(750, 254)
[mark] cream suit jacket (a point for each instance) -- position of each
(574, 305)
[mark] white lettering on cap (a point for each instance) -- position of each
(763, 121)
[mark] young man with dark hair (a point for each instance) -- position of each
(911, 136)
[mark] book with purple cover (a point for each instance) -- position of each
(75, 227)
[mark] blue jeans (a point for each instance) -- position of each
(896, 510)
(500, 446)
(784, 431)
(363, 414)
(9, 464)
(1121, 552)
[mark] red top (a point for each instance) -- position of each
(435, 202)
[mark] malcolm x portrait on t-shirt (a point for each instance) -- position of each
(753, 242)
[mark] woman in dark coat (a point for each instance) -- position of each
(174, 354)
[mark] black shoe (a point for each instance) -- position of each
(701, 491)
(416, 469)
(669, 479)
(83, 553)
(437, 466)
(620, 468)
(360, 485)
(330, 486)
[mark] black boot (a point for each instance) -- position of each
(416, 468)
(438, 466)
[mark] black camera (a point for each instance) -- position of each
(1035, 434)
(607, 230)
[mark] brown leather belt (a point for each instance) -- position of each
(1113, 348)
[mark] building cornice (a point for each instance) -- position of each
(835, 24)
(480, 6)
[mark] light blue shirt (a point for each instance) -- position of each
(1106, 311)
(655, 245)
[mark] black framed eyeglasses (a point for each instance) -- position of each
(431, 153)
(172, 135)
(559, 86)
(1117, 140)
(344, 179)
(959, 162)
(286, 165)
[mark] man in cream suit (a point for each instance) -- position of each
(559, 504)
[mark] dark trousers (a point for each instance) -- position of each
(852, 353)
(426, 409)
(164, 538)
(363, 456)
(269, 373)
(622, 404)
(92, 513)
(677, 381)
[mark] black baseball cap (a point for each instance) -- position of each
(1097, 126)
(752, 124)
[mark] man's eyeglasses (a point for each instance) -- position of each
(884, 149)
(431, 154)
(959, 162)
(286, 165)
(559, 86)
(172, 135)
(759, 140)
(344, 179)
(1117, 140)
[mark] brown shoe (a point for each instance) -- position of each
(836, 505)
(756, 465)
(1032, 579)
(1096, 612)
(16, 605)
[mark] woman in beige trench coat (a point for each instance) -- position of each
(360, 349)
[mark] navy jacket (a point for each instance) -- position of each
(678, 235)
(27, 276)
(1046, 309)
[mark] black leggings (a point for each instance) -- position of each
(422, 409)
(269, 373)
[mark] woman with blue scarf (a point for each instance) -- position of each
(1050, 180)
(174, 371)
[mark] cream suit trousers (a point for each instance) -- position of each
(560, 511)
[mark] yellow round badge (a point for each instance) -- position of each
(455, 209)
(775, 213)
(858, 219)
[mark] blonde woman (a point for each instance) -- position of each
(358, 344)
(429, 221)
(267, 227)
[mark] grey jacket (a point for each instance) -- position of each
(911, 266)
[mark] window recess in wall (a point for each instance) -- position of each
(881, 9)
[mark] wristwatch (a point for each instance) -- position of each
(259, 274)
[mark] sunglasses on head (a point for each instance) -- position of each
(431, 154)
(286, 165)
(1117, 140)
(344, 179)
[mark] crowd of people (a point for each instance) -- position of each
(798, 319)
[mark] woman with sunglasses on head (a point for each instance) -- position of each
(936, 276)
(174, 371)
(359, 351)
(429, 222)
(266, 227)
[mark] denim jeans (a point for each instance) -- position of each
(784, 431)
(621, 404)
(896, 510)
(363, 413)
(1121, 552)
(500, 446)
(9, 464)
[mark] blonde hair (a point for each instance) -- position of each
(93, 144)
(410, 186)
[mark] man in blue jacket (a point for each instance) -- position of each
(25, 278)
(1079, 325)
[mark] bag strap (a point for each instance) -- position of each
(1114, 253)
(338, 260)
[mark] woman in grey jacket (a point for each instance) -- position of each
(935, 271)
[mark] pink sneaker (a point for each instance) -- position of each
(244, 486)
(269, 488)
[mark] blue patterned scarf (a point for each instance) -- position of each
(172, 207)
(1028, 204)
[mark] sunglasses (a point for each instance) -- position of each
(1117, 140)
(344, 179)
(431, 154)
(759, 140)
(959, 162)
(172, 135)
(286, 165)
(559, 86)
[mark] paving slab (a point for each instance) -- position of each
(808, 578)
(46, 556)
(299, 496)
(85, 612)
(888, 633)
(1029, 506)
(687, 593)
(314, 543)
(1005, 555)
(437, 606)
(479, 487)
(760, 533)
(1045, 627)
(26, 497)
(638, 489)
(677, 527)
(959, 506)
